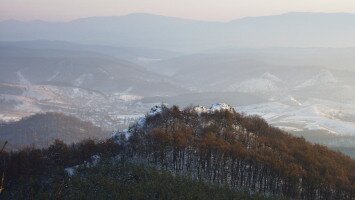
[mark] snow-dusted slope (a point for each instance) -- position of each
(158, 109)
(109, 111)
(265, 84)
(324, 77)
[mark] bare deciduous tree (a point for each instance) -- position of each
(3, 173)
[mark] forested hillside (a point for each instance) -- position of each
(41, 130)
(244, 152)
(216, 149)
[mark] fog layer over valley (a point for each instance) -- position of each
(111, 70)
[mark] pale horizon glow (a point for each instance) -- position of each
(208, 10)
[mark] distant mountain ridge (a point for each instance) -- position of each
(147, 30)
(80, 68)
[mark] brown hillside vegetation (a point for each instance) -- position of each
(223, 149)
(243, 152)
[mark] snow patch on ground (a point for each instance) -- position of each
(94, 160)
(71, 170)
(128, 97)
(53, 77)
(22, 79)
(214, 108)
(271, 77)
(148, 60)
(295, 101)
(155, 110)
(289, 128)
(221, 107)
(103, 71)
(200, 109)
(7, 118)
(82, 78)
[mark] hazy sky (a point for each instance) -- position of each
(217, 10)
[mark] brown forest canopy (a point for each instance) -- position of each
(221, 147)
(244, 152)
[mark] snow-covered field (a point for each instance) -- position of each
(119, 110)
(296, 107)
(313, 114)
(110, 111)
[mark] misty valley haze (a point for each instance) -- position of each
(294, 70)
(280, 67)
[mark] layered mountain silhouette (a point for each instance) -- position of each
(147, 30)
